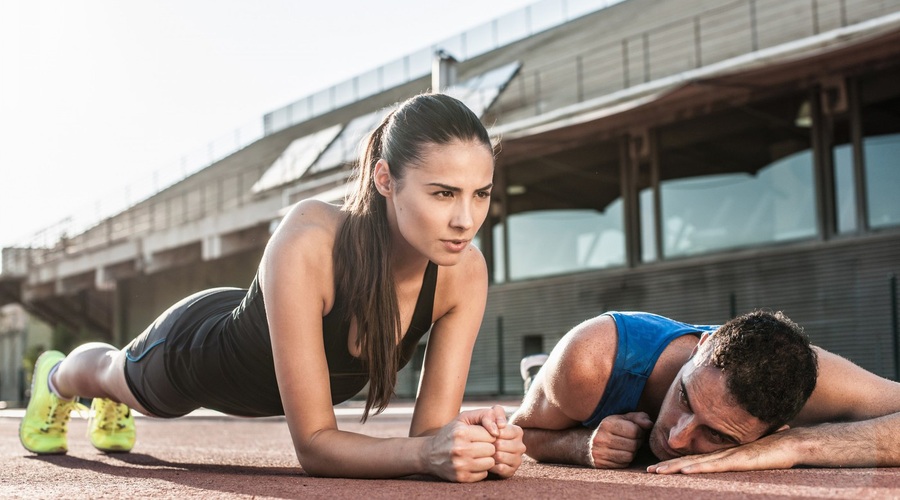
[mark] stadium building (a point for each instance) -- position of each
(696, 158)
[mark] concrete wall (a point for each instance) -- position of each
(19, 334)
(144, 297)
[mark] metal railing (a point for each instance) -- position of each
(507, 29)
(732, 30)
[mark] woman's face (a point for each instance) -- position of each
(439, 205)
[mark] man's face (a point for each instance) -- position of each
(698, 415)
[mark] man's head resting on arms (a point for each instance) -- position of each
(748, 379)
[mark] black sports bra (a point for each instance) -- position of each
(221, 354)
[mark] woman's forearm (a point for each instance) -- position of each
(335, 453)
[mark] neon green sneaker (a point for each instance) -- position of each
(43, 429)
(112, 426)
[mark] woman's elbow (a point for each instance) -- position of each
(312, 460)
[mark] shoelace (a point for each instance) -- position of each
(110, 417)
(58, 416)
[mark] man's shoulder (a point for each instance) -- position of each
(577, 372)
(591, 342)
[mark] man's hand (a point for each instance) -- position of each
(770, 452)
(617, 439)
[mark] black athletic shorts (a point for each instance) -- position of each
(145, 366)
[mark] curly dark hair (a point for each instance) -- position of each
(769, 365)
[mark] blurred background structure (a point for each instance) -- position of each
(697, 159)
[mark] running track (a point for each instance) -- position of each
(211, 456)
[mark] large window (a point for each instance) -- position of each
(564, 215)
(882, 155)
(741, 177)
(736, 179)
(547, 242)
(881, 148)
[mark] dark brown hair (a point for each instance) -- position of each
(770, 368)
(362, 251)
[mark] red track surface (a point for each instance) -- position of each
(223, 457)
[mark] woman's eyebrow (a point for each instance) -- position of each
(446, 187)
(457, 189)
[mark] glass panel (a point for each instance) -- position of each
(369, 83)
(345, 93)
(648, 223)
(882, 156)
(479, 92)
(723, 211)
(345, 148)
(546, 14)
(513, 26)
(296, 159)
(565, 214)
(480, 39)
(300, 111)
(844, 189)
(321, 102)
(395, 73)
(578, 8)
(881, 147)
(499, 246)
(844, 174)
(569, 240)
(420, 63)
(739, 178)
(277, 120)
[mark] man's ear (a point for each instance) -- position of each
(384, 183)
(703, 339)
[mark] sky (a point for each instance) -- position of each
(96, 95)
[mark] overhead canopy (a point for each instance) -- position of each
(296, 159)
(478, 93)
(339, 145)
(345, 148)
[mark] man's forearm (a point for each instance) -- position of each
(868, 443)
(569, 446)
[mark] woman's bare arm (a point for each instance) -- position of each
(297, 287)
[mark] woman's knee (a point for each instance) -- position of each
(118, 384)
(92, 349)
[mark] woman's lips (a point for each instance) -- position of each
(455, 245)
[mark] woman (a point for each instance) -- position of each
(341, 298)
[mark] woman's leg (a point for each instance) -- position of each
(95, 370)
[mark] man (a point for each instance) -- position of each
(752, 394)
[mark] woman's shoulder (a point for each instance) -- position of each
(314, 212)
(309, 228)
(311, 219)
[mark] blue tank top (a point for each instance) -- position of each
(641, 339)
